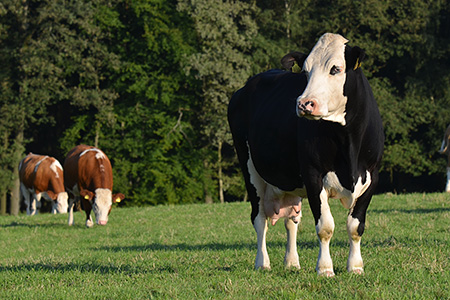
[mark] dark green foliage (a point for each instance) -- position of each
(149, 82)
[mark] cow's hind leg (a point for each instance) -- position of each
(447, 186)
(291, 257)
(256, 189)
(26, 197)
(262, 260)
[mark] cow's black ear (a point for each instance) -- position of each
(293, 61)
(354, 57)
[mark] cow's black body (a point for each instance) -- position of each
(291, 152)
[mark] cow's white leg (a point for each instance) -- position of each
(89, 222)
(34, 199)
(260, 223)
(325, 229)
(355, 261)
(447, 187)
(26, 197)
(262, 257)
(291, 257)
(71, 204)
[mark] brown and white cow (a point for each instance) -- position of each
(88, 175)
(42, 176)
(445, 150)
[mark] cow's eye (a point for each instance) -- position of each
(335, 70)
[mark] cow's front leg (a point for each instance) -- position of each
(262, 257)
(89, 222)
(33, 205)
(324, 230)
(291, 257)
(355, 261)
(71, 205)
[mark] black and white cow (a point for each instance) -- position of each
(317, 134)
(445, 149)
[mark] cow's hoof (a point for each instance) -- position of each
(358, 271)
(262, 268)
(326, 273)
(292, 265)
(89, 224)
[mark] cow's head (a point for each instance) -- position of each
(61, 204)
(101, 202)
(326, 68)
(60, 201)
(445, 142)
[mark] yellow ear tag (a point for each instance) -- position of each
(86, 197)
(357, 64)
(118, 200)
(296, 68)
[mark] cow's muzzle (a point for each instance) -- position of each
(307, 107)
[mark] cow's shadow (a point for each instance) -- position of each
(411, 211)
(88, 267)
(209, 246)
(20, 224)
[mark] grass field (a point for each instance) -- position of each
(208, 251)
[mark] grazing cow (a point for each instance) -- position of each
(42, 176)
(88, 175)
(445, 150)
(317, 134)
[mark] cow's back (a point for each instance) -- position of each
(88, 167)
(49, 176)
(27, 167)
(257, 116)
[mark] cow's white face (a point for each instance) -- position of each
(323, 97)
(61, 204)
(102, 205)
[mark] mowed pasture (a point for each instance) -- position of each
(207, 252)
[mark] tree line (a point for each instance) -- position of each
(148, 82)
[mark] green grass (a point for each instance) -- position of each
(208, 251)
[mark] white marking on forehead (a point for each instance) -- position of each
(328, 49)
(103, 197)
(39, 162)
(99, 155)
(54, 167)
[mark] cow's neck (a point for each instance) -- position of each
(352, 135)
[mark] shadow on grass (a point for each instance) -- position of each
(411, 211)
(211, 246)
(18, 224)
(88, 268)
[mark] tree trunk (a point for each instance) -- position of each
(15, 190)
(97, 134)
(220, 175)
(287, 5)
(3, 204)
(207, 195)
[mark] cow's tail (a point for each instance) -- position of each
(444, 146)
(238, 121)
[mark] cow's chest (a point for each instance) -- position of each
(334, 189)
